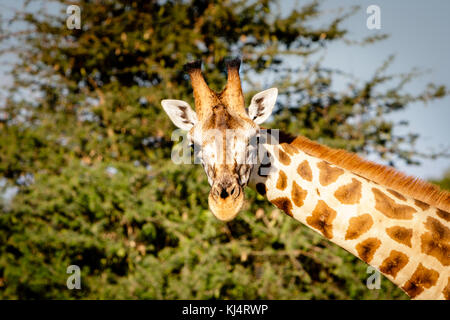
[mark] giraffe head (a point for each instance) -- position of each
(223, 134)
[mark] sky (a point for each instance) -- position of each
(419, 37)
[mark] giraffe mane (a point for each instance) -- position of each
(384, 175)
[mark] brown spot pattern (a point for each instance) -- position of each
(261, 188)
(284, 204)
(283, 157)
(304, 170)
(367, 248)
(436, 243)
(358, 226)
(298, 194)
(446, 291)
(394, 263)
(443, 214)
(396, 194)
(389, 208)
(349, 193)
(400, 234)
(282, 180)
(421, 278)
(322, 219)
(421, 205)
(328, 174)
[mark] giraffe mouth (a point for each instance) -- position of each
(226, 202)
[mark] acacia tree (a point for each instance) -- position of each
(83, 119)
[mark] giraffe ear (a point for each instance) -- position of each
(262, 105)
(180, 112)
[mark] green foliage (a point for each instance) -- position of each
(444, 183)
(87, 101)
(140, 233)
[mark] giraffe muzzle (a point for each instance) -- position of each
(226, 200)
(225, 191)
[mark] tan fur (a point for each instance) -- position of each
(204, 97)
(232, 95)
(384, 175)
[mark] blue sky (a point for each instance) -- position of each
(419, 37)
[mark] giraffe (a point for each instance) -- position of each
(396, 223)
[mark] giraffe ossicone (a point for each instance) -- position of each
(395, 223)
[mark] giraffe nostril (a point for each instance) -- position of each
(233, 191)
(224, 194)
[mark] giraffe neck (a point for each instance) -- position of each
(405, 239)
